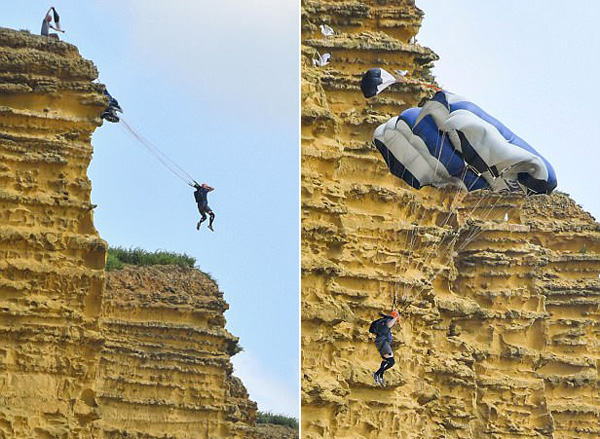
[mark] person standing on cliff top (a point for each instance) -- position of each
(201, 196)
(382, 328)
(46, 24)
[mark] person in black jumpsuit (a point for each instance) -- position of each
(383, 341)
(201, 196)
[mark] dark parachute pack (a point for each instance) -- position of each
(377, 326)
(110, 114)
(374, 81)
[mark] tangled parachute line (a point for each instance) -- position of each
(167, 162)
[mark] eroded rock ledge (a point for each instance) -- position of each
(145, 357)
(51, 257)
(503, 342)
(165, 365)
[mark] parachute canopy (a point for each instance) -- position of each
(374, 81)
(452, 141)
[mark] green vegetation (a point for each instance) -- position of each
(271, 418)
(118, 257)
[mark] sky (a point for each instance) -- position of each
(533, 65)
(215, 85)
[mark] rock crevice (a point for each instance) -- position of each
(145, 355)
(501, 339)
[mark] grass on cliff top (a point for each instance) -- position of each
(272, 418)
(118, 257)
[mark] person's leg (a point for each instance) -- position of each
(385, 350)
(201, 219)
(212, 218)
(387, 363)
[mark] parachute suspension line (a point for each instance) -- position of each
(151, 151)
(473, 234)
(177, 170)
(412, 248)
(157, 154)
(453, 241)
(406, 239)
(414, 231)
(464, 244)
(451, 209)
(395, 281)
(485, 197)
(477, 231)
(456, 199)
(439, 144)
(437, 246)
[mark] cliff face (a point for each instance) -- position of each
(165, 367)
(146, 357)
(52, 259)
(502, 338)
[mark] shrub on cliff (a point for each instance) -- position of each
(118, 257)
(271, 418)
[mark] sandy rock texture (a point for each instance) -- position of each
(142, 354)
(274, 431)
(52, 259)
(165, 366)
(502, 338)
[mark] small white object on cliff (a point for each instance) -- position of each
(326, 30)
(322, 60)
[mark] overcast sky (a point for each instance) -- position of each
(533, 65)
(214, 84)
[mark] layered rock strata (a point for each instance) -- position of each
(501, 339)
(51, 257)
(149, 356)
(165, 369)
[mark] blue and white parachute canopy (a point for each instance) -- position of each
(451, 141)
(374, 81)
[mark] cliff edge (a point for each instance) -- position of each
(140, 354)
(52, 264)
(165, 365)
(501, 339)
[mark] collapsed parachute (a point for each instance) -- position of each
(374, 81)
(110, 114)
(452, 141)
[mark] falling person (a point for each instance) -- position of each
(201, 196)
(382, 328)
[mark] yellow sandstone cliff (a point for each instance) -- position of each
(52, 259)
(502, 339)
(144, 356)
(165, 365)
